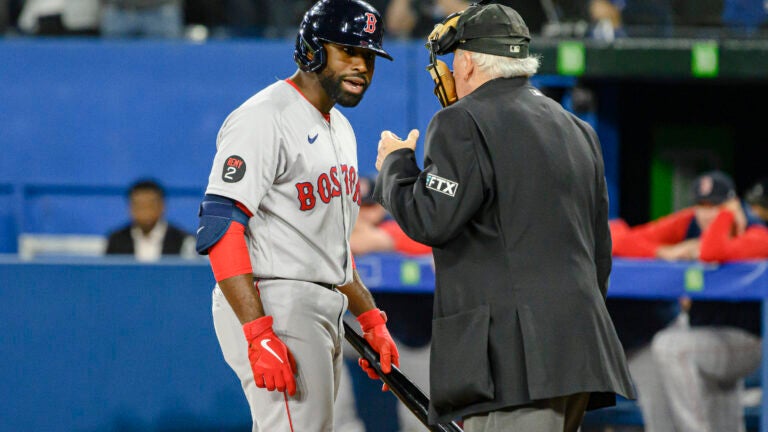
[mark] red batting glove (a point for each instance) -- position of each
(373, 323)
(272, 364)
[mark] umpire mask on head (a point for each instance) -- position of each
(438, 41)
(484, 28)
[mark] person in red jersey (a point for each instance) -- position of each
(690, 373)
(376, 231)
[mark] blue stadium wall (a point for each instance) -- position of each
(82, 118)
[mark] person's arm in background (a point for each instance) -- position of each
(685, 250)
(403, 243)
(719, 244)
(451, 6)
(656, 239)
(367, 238)
(400, 18)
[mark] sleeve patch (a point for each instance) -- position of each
(439, 184)
(234, 169)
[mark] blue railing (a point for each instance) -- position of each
(111, 344)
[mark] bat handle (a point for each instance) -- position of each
(410, 395)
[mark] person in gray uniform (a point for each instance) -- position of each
(282, 199)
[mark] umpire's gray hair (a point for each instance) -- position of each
(505, 67)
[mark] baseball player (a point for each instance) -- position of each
(281, 201)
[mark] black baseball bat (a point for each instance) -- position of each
(399, 384)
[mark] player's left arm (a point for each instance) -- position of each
(360, 298)
(373, 323)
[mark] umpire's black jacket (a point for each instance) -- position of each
(513, 200)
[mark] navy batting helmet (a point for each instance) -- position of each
(352, 23)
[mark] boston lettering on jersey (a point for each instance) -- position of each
(328, 186)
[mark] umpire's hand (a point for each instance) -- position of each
(390, 142)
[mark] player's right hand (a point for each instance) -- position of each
(272, 364)
(373, 323)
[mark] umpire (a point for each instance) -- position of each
(513, 200)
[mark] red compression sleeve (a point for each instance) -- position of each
(403, 243)
(229, 256)
(643, 240)
(718, 245)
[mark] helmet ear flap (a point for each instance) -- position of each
(309, 55)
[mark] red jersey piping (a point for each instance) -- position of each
(327, 116)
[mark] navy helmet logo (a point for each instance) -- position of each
(370, 23)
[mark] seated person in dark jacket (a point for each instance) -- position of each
(149, 235)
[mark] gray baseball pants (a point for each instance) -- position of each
(691, 379)
(308, 319)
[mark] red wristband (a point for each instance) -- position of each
(370, 319)
(256, 327)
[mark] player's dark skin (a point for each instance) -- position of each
(353, 66)
(348, 73)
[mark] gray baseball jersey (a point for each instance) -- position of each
(297, 173)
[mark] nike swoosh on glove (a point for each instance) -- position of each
(373, 323)
(272, 364)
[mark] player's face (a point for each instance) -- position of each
(347, 74)
(705, 214)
